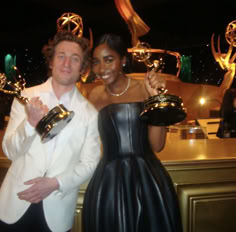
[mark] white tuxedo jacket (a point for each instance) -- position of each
(73, 161)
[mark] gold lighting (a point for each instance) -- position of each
(202, 101)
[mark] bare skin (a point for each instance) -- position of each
(107, 65)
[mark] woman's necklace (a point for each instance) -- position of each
(118, 94)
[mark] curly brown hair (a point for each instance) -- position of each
(49, 49)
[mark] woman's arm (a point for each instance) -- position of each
(157, 137)
(156, 134)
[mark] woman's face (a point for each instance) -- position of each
(107, 63)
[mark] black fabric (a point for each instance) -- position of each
(32, 221)
(227, 127)
(221, 130)
(130, 190)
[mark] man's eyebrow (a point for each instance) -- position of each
(74, 54)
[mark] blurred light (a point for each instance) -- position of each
(202, 101)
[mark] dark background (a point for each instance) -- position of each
(183, 26)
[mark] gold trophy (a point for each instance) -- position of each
(52, 123)
(162, 109)
(226, 60)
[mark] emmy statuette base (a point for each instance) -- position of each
(163, 110)
(51, 124)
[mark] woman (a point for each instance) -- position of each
(130, 190)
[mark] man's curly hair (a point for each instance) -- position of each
(49, 49)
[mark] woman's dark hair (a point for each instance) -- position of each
(117, 44)
(49, 49)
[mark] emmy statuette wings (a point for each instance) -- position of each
(226, 60)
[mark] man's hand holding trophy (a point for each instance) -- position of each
(47, 123)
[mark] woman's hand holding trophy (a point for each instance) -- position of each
(155, 83)
(160, 109)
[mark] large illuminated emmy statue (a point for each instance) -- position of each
(163, 109)
(226, 60)
(52, 123)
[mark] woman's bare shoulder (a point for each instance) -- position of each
(96, 92)
(139, 87)
(136, 82)
(98, 97)
(97, 89)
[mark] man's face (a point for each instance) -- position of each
(66, 63)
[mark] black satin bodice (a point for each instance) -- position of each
(122, 131)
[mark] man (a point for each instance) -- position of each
(40, 190)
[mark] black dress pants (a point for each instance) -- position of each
(32, 221)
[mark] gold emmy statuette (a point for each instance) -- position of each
(70, 22)
(162, 109)
(226, 60)
(52, 123)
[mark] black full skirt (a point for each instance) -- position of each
(130, 190)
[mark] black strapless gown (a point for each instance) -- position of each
(130, 190)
